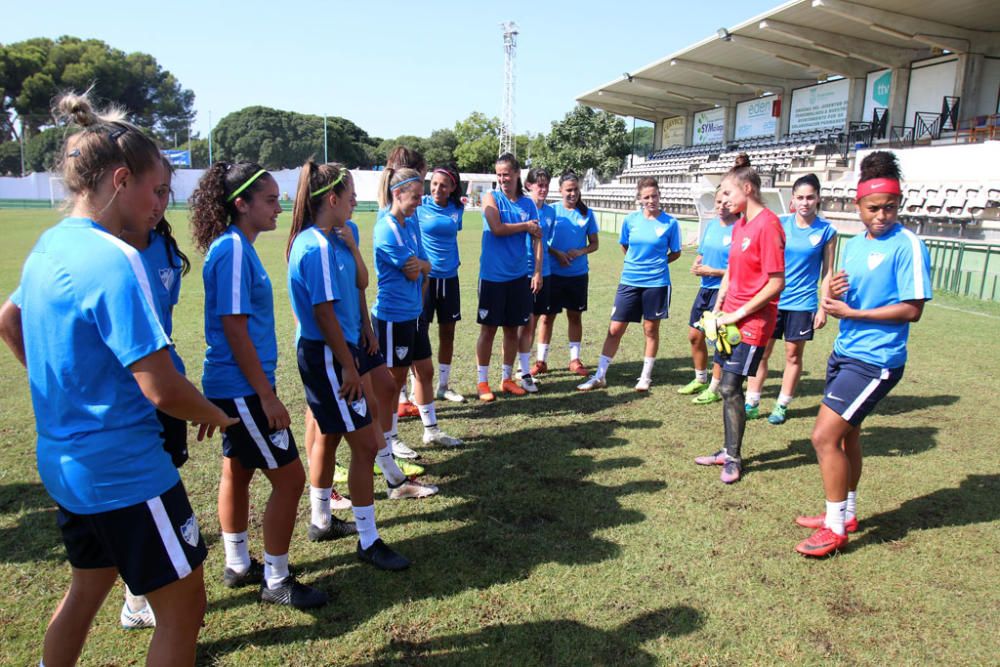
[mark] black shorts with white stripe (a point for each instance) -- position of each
(252, 442)
(442, 297)
(743, 361)
(403, 342)
(854, 387)
(322, 376)
(152, 544)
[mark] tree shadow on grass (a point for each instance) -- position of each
(35, 535)
(558, 642)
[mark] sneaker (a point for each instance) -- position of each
(339, 502)
(716, 459)
(381, 556)
(706, 397)
(818, 521)
(592, 383)
(730, 471)
(693, 387)
(752, 411)
(528, 384)
(292, 593)
(576, 366)
(407, 409)
(821, 543)
(447, 394)
(401, 451)
(643, 384)
(339, 474)
(485, 393)
(435, 436)
(777, 415)
(136, 620)
(337, 528)
(510, 387)
(253, 575)
(540, 368)
(410, 488)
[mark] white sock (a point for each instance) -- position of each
(427, 415)
(714, 385)
(237, 551)
(134, 602)
(364, 521)
(483, 372)
(390, 469)
(543, 352)
(574, 351)
(835, 516)
(319, 501)
(852, 505)
(647, 367)
(275, 569)
(602, 366)
(395, 427)
(753, 398)
(701, 375)
(402, 394)
(444, 374)
(784, 400)
(508, 371)
(525, 359)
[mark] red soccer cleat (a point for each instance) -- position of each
(819, 521)
(576, 366)
(821, 543)
(485, 393)
(512, 388)
(407, 409)
(539, 368)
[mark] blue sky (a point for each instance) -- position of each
(391, 67)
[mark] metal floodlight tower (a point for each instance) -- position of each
(507, 143)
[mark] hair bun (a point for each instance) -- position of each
(78, 109)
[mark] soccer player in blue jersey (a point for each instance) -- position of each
(810, 246)
(651, 240)
(882, 285)
(232, 205)
(574, 236)
(505, 286)
(710, 265)
(537, 184)
(85, 323)
(440, 219)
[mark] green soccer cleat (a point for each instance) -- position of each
(693, 387)
(407, 468)
(706, 397)
(339, 474)
(778, 415)
(753, 411)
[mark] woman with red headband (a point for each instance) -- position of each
(882, 285)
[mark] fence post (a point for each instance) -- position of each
(986, 272)
(957, 284)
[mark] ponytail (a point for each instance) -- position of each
(315, 183)
(399, 157)
(213, 204)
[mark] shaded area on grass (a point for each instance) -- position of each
(34, 534)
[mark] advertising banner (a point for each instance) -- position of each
(819, 107)
(673, 131)
(755, 118)
(877, 89)
(709, 126)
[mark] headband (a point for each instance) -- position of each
(327, 188)
(446, 173)
(878, 185)
(246, 184)
(403, 182)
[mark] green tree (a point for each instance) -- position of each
(478, 142)
(41, 151)
(10, 158)
(410, 141)
(439, 148)
(587, 139)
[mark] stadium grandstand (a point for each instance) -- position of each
(810, 87)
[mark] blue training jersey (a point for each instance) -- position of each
(88, 313)
(889, 269)
(503, 257)
(164, 268)
(236, 283)
(714, 251)
(312, 269)
(348, 307)
(649, 243)
(439, 228)
(546, 220)
(803, 262)
(570, 232)
(398, 299)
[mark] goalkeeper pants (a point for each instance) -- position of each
(734, 418)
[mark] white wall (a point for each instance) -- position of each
(928, 85)
(965, 162)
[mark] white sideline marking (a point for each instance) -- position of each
(962, 310)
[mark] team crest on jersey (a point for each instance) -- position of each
(727, 241)
(280, 439)
(660, 231)
(189, 531)
(454, 218)
(874, 259)
(524, 215)
(745, 244)
(401, 351)
(167, 278)
(360, 407)
(815, 239)
(483, 312)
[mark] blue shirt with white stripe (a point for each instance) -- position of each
(439, 228)
(649, 243)
(803, 262)
(398, 299)
(88, 313)
(236, 283)
(348, 307)
(503, 258)
(571, 230)
(714, 250)
(164, 268)
(881, 271)
(312, 280)
(546, 220)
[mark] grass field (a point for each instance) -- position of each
(575, 529)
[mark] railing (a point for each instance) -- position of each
(901, 136)
(926, 125)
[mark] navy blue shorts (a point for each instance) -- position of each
(369, 362)
(632, 304)
(854, 388)
(569, 292)
(542, 302)
(506, 304)
(403, 342)
(153, 543)
(743, 361)
(442, 298)
(175, 437)
(794, 325)
(322, 375)
(704, 300)
(252, 442)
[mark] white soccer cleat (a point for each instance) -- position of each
(435, 436)
(593, 382)
(643, 384)
(450, 395)
(135, 620)
(528, 384)
(401, 451)
(339, 502)
(410, 488)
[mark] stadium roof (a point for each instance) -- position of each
(798, 44)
